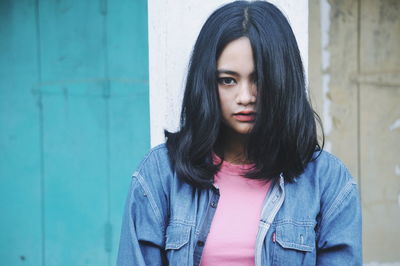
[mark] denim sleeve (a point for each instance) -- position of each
(339, 230)
(142, 233)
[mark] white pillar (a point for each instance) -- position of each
(173, 29)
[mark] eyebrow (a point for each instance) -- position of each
(229, 72)
(233, 73)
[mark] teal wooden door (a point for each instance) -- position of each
(74, 123)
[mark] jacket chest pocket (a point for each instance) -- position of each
(177, 244)
(294, 244)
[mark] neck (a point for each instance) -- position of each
(233, 147)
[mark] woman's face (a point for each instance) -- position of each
(236, 86)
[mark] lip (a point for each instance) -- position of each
(245, 116)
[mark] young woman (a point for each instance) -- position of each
(244, 181)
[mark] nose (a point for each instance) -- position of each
(246, 94)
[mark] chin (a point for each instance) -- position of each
(243, 130)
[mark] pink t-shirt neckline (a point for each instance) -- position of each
(232, 168)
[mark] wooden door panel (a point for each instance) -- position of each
(21, 238)
(380, 143)
(74, 124)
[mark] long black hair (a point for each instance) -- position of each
(284, 136)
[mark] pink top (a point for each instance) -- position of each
(233, 232)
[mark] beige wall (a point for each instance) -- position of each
(354, 75)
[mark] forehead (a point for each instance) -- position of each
(237, 56)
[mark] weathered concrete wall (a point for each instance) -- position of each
(354, 80)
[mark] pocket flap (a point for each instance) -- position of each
(299, 236)
(177, 236)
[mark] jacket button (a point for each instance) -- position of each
(200, 243)
(213, 204)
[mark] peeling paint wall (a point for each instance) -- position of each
(325, 10)
(355, 86)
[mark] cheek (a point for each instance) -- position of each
(224, 105)
(225, 100)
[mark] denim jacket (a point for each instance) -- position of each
(315, 220)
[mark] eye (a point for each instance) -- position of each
(227, 81)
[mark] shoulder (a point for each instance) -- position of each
(328, 170)
(325, 160)
(333, 181)
(325, 180)
(154, 171)
(157, 156)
